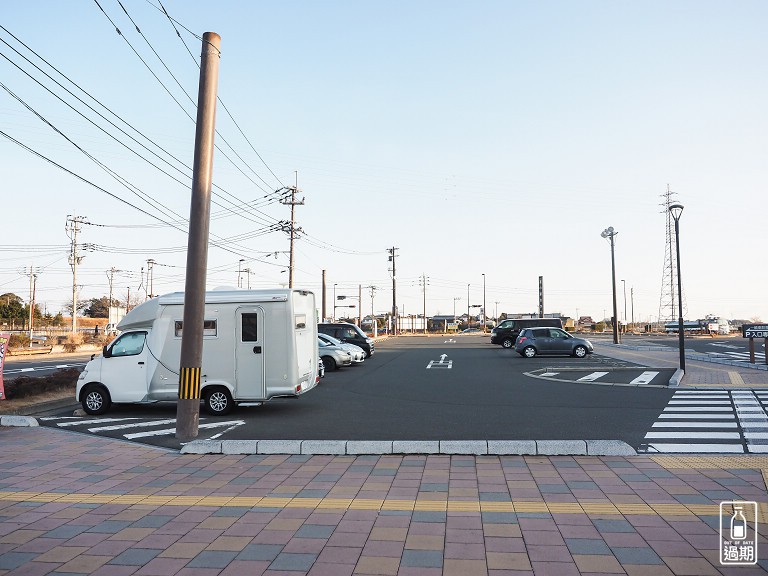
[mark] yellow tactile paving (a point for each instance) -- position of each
(736, 379)
(593, 507)
(717, 462)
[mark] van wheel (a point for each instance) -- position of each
(580, 352)
(95, 399)
(329, 363)
(529, 352)
(507, 343)
(218, 401)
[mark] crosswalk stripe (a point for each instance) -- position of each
(694, 425)
(703, 415)
(697, 409)
(688, 401)
(592, 377)
(645, 377)
(699, 448)
(706, 435)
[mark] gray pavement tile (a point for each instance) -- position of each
(693, 499)
(636, 556)
(313, 493)
(110, 526)
(422, 558)
(327, 478)
(613, 525)
(499, 517)
(553, 489)
(135, 556)
(314, 531)
(263, 552)
(423, 516)
(12, 560)
(66, 531)
(212, 559)
(290, 561)
(432, 487)
(582, 485)
(720, 495)
(232, 511)
(587, 546)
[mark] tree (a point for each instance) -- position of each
(99, 307)
(12, 307)
(81, 305)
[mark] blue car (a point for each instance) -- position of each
(551, 341)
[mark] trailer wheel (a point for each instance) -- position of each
(218, 401)
(95, 399)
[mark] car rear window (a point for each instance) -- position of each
(540, 332)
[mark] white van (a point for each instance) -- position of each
(257, 345)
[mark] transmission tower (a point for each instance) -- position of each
(668, 300)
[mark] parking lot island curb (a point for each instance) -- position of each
(13, 420)
(677, 378)
(411, 447)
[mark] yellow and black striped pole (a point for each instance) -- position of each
(189, 384)
(191, 359)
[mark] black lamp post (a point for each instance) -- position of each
(677, 210)
(610, 233)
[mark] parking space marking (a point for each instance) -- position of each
(645, 377)
(592, 377)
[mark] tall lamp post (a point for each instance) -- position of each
(624, 286)
(677, 210)
(484, 322)
(610, 233)
(469, 322)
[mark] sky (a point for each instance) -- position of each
(489, 142)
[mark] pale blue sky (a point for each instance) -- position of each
(477, 137)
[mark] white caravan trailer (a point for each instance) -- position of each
(257, 345)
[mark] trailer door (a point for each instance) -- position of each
(249, 353)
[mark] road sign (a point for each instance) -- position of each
(755, 330)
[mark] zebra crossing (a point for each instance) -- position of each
(135, 428)
(739, 356)
(634, 377)
(711, 421)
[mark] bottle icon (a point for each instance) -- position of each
(738, 524)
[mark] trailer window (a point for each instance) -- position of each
(210, 328)
(249, 327)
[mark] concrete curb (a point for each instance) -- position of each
(18, 421)
(426, 447)
(677, 378)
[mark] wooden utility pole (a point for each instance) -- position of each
(392, 255)
(73, 227)
(294, 231)
(322, 315)
(190, 363)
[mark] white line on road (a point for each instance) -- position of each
(644, 378)
(699, 409)
(167, 431)
(99, 421)
(689, 401)
(132, 425)
(702, 415)
(703, 435)
(591, 377)
(694, 425)
(711, 448)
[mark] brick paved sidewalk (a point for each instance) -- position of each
(76, 504)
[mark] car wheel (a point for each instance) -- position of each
(580, 351)
(95, 399)
(329, 363)
(529, 352)
(507, 343)
(218, 401)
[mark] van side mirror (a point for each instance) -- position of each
(105, 352)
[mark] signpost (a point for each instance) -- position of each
(753, 331)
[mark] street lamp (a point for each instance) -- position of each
(624, 284)
(610, 233)
(334, 301)
(484, 323)
(677, 210)
(469, 322)
(240, 272)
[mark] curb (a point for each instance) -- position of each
(44, 407)
(677, 378)
(20, 421)
(422, 447)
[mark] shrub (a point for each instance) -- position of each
(72, 342)
(25, 386)
(18, 341)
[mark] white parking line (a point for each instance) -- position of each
(167, 431)
(98, 421)
(592, 377)
(132, 425)
(644, 378)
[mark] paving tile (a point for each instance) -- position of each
(593, 563)
(293, 562)
(12, 560)
(587, 546)
(636, 555)
(424, 542)
(555, 569)
(422, 559)
(377, 565)
(264, 552)
(135, 556)
(454, 567)
(690, 566)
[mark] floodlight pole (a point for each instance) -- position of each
(677, 210)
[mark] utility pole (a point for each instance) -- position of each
(424, 280)
(191, 360)
(151, 277)
(360, 305)
(541, 296)
(373, 313)
(32, 287)
(73, 228)
(392, 254)
(294, 231)
(111, 276)
(322, 311)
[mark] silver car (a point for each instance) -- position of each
(543, 340)
(357, 353)
(333, 356)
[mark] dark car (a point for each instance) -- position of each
(350, 333)
(551, 341)
(507, 332)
